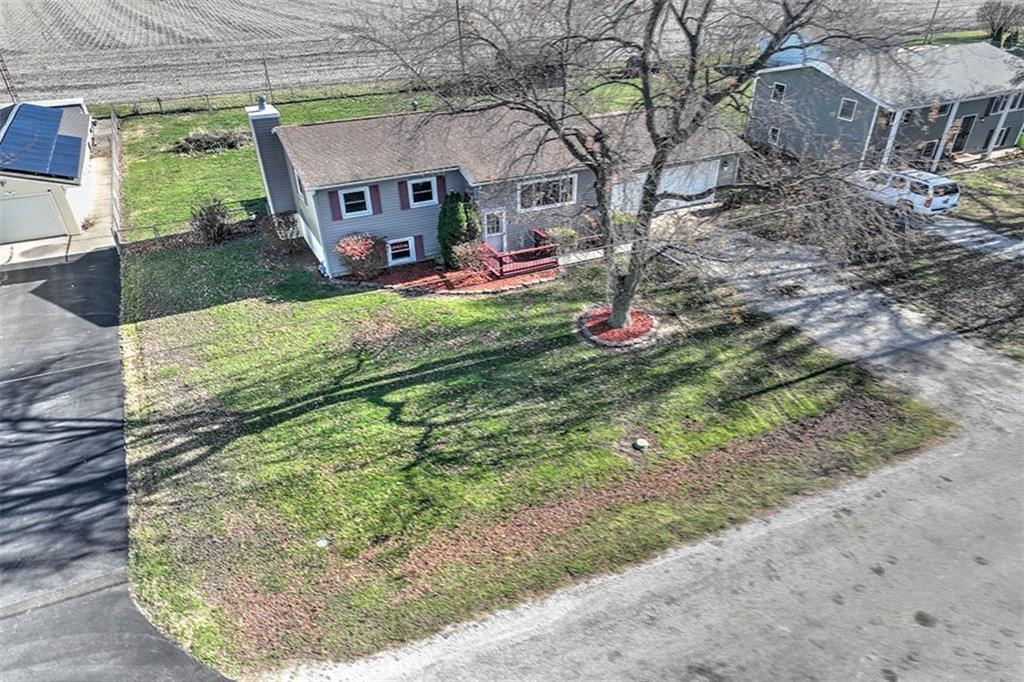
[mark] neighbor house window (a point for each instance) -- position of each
(423, 192)
(773, 135)
(547, 193)
(907, 116)
(997, 104)
(401, 251)
(1018, 101)
(943, 110)
(356, 203)
(778, 91)
(847, 108)
(928, 150)
(1001, 137)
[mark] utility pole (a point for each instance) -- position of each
(931, 22)
(5, 76)
(458, 24)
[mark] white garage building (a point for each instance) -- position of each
(46, 188)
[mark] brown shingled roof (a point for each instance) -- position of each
(487, 146)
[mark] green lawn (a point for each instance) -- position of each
(995, 197)
(458, 454)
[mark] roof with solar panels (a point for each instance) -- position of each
(45, 140)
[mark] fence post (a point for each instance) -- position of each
(160, 105)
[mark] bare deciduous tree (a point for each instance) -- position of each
(1000, 17)
(678, 67)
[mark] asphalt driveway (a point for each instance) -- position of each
(65, 611)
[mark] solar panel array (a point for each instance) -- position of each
(32, 144)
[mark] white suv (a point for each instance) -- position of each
(911, 191)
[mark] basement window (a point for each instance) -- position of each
(773, 135)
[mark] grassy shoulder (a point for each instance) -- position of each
(316, 473)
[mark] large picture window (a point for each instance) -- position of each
(356, 203)
(539, 194)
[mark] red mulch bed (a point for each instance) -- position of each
(423, 276)
(597, 324)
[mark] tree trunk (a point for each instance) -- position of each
(622, 301)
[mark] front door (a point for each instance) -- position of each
(966, 126)
(494, 229)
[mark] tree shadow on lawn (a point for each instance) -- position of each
(458, 392)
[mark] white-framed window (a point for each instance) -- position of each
(928, 149)
(847, 109)
(355, 203)
(999, 103)
(778, 91)
(422, 192)
(1018, 101)
(943, 110)
(907, 116)
(773, 135)
(535, 195)
(401, 251)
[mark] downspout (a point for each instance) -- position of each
(867, 140)
(945, 136)
(897, 118)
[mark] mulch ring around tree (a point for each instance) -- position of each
(425, 278)
(593, 325)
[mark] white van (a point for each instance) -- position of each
(912, 191)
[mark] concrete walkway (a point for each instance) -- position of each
(976, 237)
(914, 573)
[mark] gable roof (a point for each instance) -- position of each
(486, 146)
(927, 74)
(47, 141)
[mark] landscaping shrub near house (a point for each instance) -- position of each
(211, 220)
(457, 223)
(469, 256)
(565, 238)
(282, 233)
(364, 254)
(202, 141)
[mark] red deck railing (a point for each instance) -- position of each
(520, 262)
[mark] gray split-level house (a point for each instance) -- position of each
(917, 106)
(387, 175)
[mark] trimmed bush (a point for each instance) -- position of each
(364, 254)
(281, 232)
(564, 237)
(469, 256)
(211, 220)
(457, 223)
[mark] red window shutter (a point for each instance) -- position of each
(375, 199)
(442, 188)
(418, 243)
(332, 197)
(403, 195)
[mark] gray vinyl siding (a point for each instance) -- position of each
(272, 161)
(391, 223)
(304, 207)
(520, 224)
(808, 116)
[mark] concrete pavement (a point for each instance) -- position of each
(913, 573)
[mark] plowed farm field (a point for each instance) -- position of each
(128, 50)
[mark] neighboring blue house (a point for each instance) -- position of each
(387, 175)
(916, 106)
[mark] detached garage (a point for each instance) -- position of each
(45, 189)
